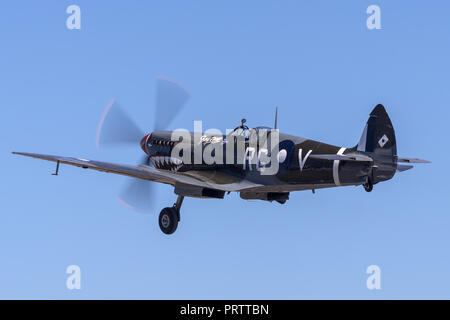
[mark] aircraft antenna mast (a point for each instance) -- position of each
(276, 118)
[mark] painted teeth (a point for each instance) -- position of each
(167, 163)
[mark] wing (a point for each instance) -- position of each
(144, 172)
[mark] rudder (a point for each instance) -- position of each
(378, 140)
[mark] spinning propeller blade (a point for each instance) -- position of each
(117, 128)
(138, 194)
(171, 96)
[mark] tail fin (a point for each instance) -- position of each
(378, 139)
(378, 135)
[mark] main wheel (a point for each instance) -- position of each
(168, 220)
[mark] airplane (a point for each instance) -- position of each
(303, 164)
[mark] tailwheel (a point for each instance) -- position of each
(168, 220)
(368, 186)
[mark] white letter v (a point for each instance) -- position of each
(301, 161)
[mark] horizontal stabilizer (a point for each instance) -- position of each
(412, 160)
(345, 157)
(403, 167)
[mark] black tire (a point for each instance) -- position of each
(168, 220)
(368, 186)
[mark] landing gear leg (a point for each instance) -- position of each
(368, 186)
(169, 217)
(177, 205)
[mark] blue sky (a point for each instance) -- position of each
(316, 60)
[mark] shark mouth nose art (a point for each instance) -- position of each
(166, 163)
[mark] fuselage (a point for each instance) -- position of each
(296, 169)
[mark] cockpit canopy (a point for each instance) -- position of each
(247, 133)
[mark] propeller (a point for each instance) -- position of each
(137, 193)
(171, 96)
(116, 128)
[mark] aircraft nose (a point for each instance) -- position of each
(144, 143)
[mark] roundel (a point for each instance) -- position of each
(282, 156)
